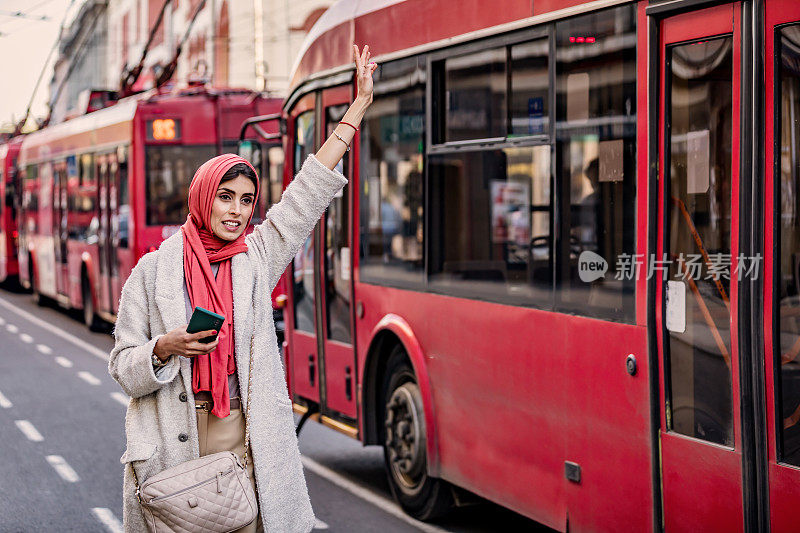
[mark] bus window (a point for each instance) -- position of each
(30, 199)
(390, 186)
(596, 159)
(274, 171)
(530, 80)
(303, 271)
(475, 95)
(82, 200)
(492, 233)
(170, 169)
(788, 330)
(698, 169)
(123, 198)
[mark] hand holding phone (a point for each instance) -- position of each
(203, 320)
(199, 337)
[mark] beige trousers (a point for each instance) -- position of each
(227, 434)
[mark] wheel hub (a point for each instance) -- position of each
(405, 438)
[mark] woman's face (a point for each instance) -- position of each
(232, 207)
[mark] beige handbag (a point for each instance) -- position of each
(211, 494)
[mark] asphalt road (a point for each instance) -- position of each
(62, 433)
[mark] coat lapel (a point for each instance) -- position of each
(242, 274)
(171, 294)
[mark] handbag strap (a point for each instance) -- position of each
(246, 419)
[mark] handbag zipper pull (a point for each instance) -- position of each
(219, 482)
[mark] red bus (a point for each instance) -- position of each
(9, 267)
(564, 275)
(100, 190)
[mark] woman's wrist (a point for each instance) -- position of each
(159, 351)
(357, 110)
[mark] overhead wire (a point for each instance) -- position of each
(21, 123)
(24, 15)
(88, 36)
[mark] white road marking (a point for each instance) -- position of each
(319, 524)
(11, 328)
(29, 431)
(383, 503)
(5, 403)
(80, 343)
(88, 378)
(44, 349)
(62, 468)
(107, 518)
(63, 361)
(2, 321)
(121, 398)
(24, 337)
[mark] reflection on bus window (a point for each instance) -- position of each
(123, 198)
(170, 170)
(303, 269)
(82, 219)
(698, 359)
(337, 246)
(596, 159)
(390, 188)
(530, 81)
(475, 94)
(787, 340)
(493, 239)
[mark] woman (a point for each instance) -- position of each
(187, 397)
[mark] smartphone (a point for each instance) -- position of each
(202, 320)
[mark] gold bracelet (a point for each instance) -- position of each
(340, 138)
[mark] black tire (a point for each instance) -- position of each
(404, 443)
(90, 318)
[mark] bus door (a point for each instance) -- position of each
(696, 310)
(307, 359)
(782, 260)
(60, 225)
(110, 236)
(334, 267)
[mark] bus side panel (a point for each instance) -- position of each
(608, 435)
(517, 392)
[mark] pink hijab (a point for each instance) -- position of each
(201, 248)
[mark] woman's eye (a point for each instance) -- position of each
(225, 197)
(247, 201)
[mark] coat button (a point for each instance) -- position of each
(183, 437)
(182, 397)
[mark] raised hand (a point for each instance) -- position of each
(364, 70)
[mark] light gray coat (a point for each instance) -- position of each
(152, 304)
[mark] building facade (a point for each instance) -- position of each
(235, 43)
(81, 62)
(249, 44)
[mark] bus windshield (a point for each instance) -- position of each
(170, 169)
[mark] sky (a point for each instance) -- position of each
(24, 46)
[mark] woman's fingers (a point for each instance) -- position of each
(202, 334)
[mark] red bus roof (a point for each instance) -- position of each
(114, 125)
(392, 26)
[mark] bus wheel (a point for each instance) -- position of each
(404, 450)
(90, 318)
